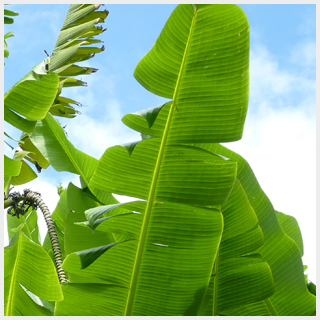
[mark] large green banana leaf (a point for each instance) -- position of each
(281, 250)
(240, 276)
(29, 278)
(173, 248)
(201, 58)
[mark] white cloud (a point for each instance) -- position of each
(269, 82)
(305, 54)
(99, 126)
(95, 135)
(279, 142)
(308, 26)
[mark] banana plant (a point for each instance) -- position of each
(39, 92)
(282, 250)
(185, 229)
(202, 238)
(167, 262)
(31, 99)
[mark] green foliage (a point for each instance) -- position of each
(8, 20)
(26, 266)
(38, 93)
(202, 238)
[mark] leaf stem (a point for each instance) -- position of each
(35, 197)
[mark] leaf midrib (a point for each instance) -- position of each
(150, 201)
(13, 280)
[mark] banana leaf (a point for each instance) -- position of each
(8, 20)
(24, 257)
(16, 172)
(39, 92)
(30, 99)
(290, 226)
(167, 265)
(50, 139)
(74, 44)
(282, 251)
(7, 14)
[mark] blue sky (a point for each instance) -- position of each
(279, 134)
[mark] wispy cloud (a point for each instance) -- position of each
(282, 88)
(99, 126)
(304, 54)
(95, 135)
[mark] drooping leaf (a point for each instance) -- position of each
(113, 267)
(10, 13)
(18, 121)
(6, 36)
(40, 302)
(239, 276)
(291, 296)
(96, 216)
(26, 175)
(53, 144)
(90, 255)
